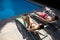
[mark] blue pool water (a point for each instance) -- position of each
(9, 8)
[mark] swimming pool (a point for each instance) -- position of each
(9, 8)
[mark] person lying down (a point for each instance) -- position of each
(45, 17)
(32, 25)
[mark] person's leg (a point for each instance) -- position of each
(27, 19)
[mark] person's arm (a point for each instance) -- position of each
(32, 29)
(28, 21)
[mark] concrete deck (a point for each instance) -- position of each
(10, 32)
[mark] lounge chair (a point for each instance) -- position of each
(42, 35)
(33, 14)
(51, 24)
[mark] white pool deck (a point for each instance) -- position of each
(10, 32)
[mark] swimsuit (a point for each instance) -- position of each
(42, 15)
